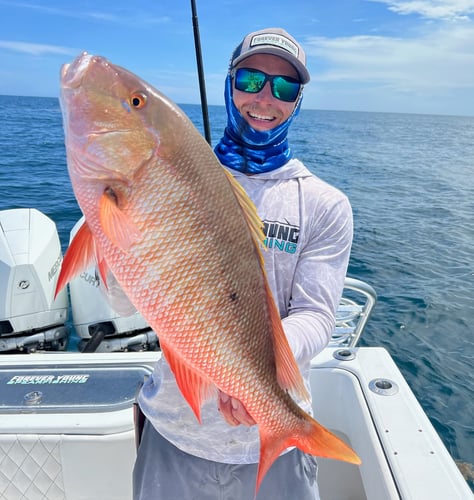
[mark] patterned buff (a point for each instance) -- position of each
(248, 150)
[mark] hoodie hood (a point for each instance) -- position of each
(293, 169)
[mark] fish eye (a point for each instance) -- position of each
(138, 100)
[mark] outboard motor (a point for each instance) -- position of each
(30, 259)
(99, 326)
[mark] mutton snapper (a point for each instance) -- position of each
(181, 238)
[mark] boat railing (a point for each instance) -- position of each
(355, 308)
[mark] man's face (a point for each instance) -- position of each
(261, 110)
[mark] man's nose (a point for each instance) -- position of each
(266, 93)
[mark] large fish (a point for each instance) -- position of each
(182, 239)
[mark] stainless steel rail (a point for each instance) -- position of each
(354, 310)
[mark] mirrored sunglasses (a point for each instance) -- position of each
(252, 81)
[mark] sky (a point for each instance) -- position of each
(410, 56)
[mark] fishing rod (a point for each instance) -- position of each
(202, 83)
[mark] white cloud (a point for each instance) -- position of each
(441, 59)
(432, 9)
(430, 73)
(36, 49)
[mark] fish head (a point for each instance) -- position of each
(115, 124)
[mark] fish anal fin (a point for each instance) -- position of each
(79, 256)
(117, 226)
(195, 388)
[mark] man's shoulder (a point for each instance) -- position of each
(311, 182)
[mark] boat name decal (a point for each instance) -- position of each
(48, 379)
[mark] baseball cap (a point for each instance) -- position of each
(275, 41)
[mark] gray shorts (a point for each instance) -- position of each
(163, 472)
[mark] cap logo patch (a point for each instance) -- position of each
(277, 41)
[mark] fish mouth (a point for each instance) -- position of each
(72, 74)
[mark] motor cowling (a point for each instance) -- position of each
(30, 259)
(100, 327)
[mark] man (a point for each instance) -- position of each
(308, 225)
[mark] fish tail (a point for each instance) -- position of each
(311, 437)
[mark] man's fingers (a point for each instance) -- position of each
(225, 407)
(234, 411)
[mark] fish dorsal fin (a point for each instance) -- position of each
(288, 373)
(80, 255)
(195, 388)
(117, 226)
(250, 213)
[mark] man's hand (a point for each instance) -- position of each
(233, 410)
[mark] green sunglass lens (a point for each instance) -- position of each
(285, 90)
(249, 81)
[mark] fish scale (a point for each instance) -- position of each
(182, 239)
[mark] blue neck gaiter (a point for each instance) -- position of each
(248, 150)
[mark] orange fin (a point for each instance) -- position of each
(311, 437)
(115, 296)
(79, 256)
(195, 388)
(120, 230)
(103, 270)
(250, 212)
(288, 372)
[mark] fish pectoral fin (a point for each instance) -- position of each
(103, 270)
(117, 226)
(116, 297)
(195, 388)
(79, 256)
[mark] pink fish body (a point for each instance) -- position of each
(182, 239)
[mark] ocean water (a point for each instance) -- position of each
(410, 179)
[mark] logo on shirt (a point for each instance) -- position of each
(281, 236)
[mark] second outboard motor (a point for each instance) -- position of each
(98, 325)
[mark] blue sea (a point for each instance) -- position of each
(410, 179)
